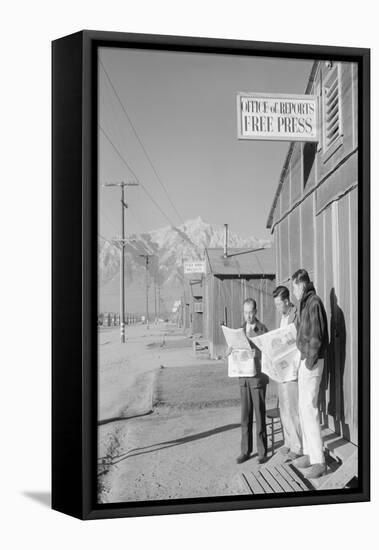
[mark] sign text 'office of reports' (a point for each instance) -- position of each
(277, 117)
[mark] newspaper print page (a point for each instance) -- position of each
(277, 343)
(241, 361)
(235, 338)
(280, 356)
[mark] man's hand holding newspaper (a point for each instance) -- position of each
(239, 353)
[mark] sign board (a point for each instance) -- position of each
(194, 267)
(278, 117)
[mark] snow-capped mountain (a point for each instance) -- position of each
(170, 247)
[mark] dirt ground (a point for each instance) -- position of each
(169, 423)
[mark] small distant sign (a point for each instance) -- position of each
(194, 267)
(277, 117)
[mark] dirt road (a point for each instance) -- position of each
(186, 447)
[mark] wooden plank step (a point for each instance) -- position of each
(295, 476)
(270, 479)
(290, 480)
(245, 483)
(338, 474)
(276, 477)
(281, 479)
(252, 483)
(239, 484)
(267, 487)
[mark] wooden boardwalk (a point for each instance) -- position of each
(275, 478)
(279, 475)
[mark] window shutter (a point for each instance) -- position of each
(332, 108)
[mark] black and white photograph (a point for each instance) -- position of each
(189, 211)
(227, 275)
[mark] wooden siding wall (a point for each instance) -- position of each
(194, 289)
(186, 298)
(196, 317)
(315, 227)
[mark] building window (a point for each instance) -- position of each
(332, 119)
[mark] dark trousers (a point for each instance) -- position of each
(253, 401)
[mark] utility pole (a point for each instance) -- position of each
(147, 257)
(184, 307)
(159, 301)
(156, 289)
(155, 299)
(226, 241)
(226, 252)
(121, 243)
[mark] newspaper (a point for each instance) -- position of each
(280, 356)
(241, 360)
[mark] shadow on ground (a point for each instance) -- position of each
(174, 442)
(42, 497)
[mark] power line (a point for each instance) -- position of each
(117, 151)
(137, 223)
(106, 240)
(116, 245)
(108, 220)
(122, 158)
(143, 187)
(140, 141)
(134, 174)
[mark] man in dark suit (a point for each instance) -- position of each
(253, 391)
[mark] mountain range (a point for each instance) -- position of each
(167, 247)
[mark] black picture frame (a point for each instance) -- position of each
(74, 272)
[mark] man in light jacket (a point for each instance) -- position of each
(288, 391)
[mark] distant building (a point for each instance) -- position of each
(228, 281)
(314, 219)
(185, 306)
(196, 306)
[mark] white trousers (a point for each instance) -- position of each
(289, 414)
(309, 384)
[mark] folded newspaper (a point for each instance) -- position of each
(280, 356)
(241, 360)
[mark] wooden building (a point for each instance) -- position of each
(314, 220)
(185, 307)
(196, 306)
(228, 281)
(190, 311)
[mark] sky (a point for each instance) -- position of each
(183, 109)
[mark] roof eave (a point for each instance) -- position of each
(289, 154)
